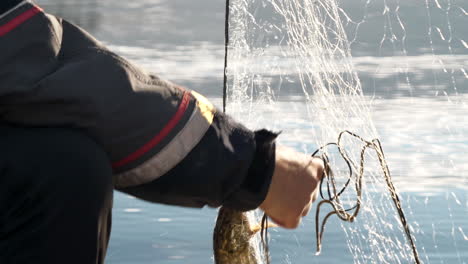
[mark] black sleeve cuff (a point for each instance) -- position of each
(254, 189)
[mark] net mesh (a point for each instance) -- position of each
(315, 68)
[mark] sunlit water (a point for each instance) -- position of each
(423, 124)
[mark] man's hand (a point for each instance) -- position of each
(293, 188)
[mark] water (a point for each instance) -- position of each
(418, 100)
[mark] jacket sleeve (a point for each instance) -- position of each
(167, 144)
(231, 166)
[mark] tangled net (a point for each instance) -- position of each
(332, 196)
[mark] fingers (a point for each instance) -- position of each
(319, 165)
(306, 210)
(291, 219)
(293, 187)
(291, 224)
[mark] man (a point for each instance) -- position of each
(78, 121)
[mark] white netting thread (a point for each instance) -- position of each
(304, 45)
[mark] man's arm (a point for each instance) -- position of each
(166, 143)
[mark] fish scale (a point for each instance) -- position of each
(232, 239)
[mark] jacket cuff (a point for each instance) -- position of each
(254, 189)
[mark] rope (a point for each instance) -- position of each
(226, 45)
(264, 222)
(333, 195)
(264, 236)
(333, 198)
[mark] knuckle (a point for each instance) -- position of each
(292, 224)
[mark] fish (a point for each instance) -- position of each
(233, 239)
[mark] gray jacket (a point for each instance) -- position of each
(166, 143)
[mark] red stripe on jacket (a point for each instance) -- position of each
(160, 136)
(20, 19)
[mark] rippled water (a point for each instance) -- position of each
(419, 104)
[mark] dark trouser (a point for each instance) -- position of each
(55, 197)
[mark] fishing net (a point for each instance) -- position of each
(290, 68)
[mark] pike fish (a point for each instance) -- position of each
(232, 239)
